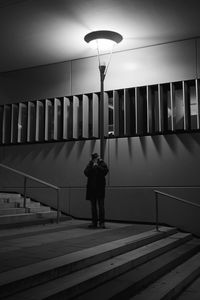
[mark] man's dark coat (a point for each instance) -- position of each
(96, 180)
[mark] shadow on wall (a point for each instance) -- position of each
(20, 153)
(171, 141)
(187, 141)
(143, 143)
(157, 143)
(130, 151)
(196, 137)
(80, 148)
(92, 146)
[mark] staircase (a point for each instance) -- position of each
(149, 265)
(12, 212)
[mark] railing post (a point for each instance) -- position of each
(58, 205)
(25, 181)
(156, 205)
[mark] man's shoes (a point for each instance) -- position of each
(92, 226)
(102, 226)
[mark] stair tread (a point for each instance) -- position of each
(103, 271)
(39, 209)
(29, 214)
(18, 215)
(11, 211)
(9, 205)
(16, 200)
(3, 195)
(192, 292)
(125, 285)
(172, 281)
(26, 218)
(11, 208)
(74, 257)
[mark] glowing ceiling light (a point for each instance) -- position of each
(103, 40)
(102, 45)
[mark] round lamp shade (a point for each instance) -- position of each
(103, 40)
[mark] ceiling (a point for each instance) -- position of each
(39, 32)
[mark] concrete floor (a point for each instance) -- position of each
(24, 246)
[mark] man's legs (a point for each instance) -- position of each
(101, 212)
(94, 212)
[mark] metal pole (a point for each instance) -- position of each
(58, 206)
(101, 117)
(25, 180)
(156, 200)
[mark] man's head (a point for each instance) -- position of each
(95, 156)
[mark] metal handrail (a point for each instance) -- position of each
(173, 197)
(27, 176)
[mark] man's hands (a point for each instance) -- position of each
(95, 162)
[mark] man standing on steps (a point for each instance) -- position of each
(96, 170)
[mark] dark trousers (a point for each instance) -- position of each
(98, 213)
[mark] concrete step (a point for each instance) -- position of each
(39, 209)
(81, 281)
(19, 200)
(128, 284)
(5, 200)
(49, 214)
(170, 285)
(34, 221)
(33, 205)
(12, 211)
(19, 218)
(30, 204)
(21, 210)
(192, 292)
(35, 212)
(9, 195)
(9, 205)
(26, 217)
(29, 276)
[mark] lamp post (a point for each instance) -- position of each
(103, 41)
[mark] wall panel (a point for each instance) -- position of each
(152, 65)
(14, 122)
(137, 67)
(95, 115)
(40, 121)
(36, 83)
(169, 160)
(76, 117)
(22, 122)
(85, 76)
(7, 117)
(85, 116)
(198, 57)
(136, 166)
(61, 163)
(49, 120)
(67, 118)
(1, 122)
(58, 119)
(31, 122)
